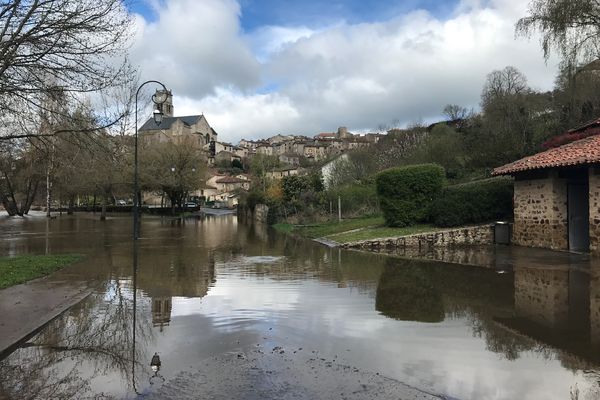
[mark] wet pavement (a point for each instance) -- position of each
(25, 308)
(239, 312)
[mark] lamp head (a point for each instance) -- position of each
(158, 117)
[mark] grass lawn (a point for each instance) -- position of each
(330, 228)
(379, 232)
(15, 270)
(351, 230)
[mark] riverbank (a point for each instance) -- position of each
(351, 230)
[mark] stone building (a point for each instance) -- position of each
(557, 194)
(177, 129)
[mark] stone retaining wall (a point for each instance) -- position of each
(472, 235)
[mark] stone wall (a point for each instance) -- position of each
(541, 213)
(595, 304)
(594, 176)
(473, 235)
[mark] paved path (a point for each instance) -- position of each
(27, 307)
(281, 374)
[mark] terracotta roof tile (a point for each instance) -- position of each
(583, 151)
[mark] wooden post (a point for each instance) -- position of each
(339, 209)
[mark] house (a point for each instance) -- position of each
(205, 191)
(328, 170)
(227, 156)
(315, 151)
(557, 193)
(290, 158)
(264, 149)
(231, 183)
(280, 173)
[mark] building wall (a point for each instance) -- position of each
(595, 304)
(594, 176)
(541, 213)
(203, 128)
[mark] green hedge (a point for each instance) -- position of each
(406, 193)
(481, 201)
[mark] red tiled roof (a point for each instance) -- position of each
(583, 151)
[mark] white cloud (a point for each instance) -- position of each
(195, 46)
(268, 40)
(235, 116)
(356, 75)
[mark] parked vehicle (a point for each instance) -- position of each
(191, 204)
(121, 202)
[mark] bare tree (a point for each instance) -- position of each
(502, 83)
(455, 112)
(75, 47)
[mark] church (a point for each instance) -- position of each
(177, 129)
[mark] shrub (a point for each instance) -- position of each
(406, 193)
(474, 202)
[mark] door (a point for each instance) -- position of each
(578, 215)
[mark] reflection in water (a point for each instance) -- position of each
(557, 306)
(92, 340)
(405, 292)
(204, 289)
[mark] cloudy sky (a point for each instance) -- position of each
(256, 68)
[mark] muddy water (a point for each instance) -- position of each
(238, 312)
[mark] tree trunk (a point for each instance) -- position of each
(48, 192)
(13, 206)
(103, 213)
(8, 205)
(31, 192)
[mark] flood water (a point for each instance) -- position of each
(236, 311)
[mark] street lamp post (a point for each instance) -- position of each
(157, 115)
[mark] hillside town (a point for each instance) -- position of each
(294, 153)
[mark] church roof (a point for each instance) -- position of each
(167, 122)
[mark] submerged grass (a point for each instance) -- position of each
(19, 269)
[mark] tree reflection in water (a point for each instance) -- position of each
(92, 339)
